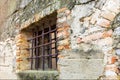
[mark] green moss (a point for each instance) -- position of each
(67, 3)
(38, 75)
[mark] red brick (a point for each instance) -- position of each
(92, 37)
(103, 22)
(63, 27)
(63, 34)
(60, 48)
(112, 67)
(64, 42)
(60, 29)
(19, 60)
(67, 47)
(95, 36)
(112, 59)
(20, 36)
(61, 10)
(62, 19)
(67, 12)
(63, 47)
(108, 15)
(60, 56)
(17, 53)
(36, 17)
(107, 34)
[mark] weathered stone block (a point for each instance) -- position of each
(80, 69)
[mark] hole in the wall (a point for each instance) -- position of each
(43, 43)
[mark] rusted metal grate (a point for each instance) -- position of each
(44, 48)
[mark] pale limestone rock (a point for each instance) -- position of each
(110, 73)
(24, 3)
(118, 52)
(117, 31)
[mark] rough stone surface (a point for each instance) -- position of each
(80, 69)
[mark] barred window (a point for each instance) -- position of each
(43, 49)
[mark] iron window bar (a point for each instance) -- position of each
(42, 34)
(42, 52)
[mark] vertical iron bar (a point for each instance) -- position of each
(56, 52)
(37, 50)
(32, 51)
(48, 58)
(50, 50)
(43, 61)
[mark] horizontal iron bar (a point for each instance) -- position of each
(43, 56)
(53, 48)
(42, 45)
(42, 34)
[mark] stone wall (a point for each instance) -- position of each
(88, 31)
(91, 41)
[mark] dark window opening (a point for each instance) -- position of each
(43, 49)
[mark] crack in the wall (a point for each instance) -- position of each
(83, 3)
